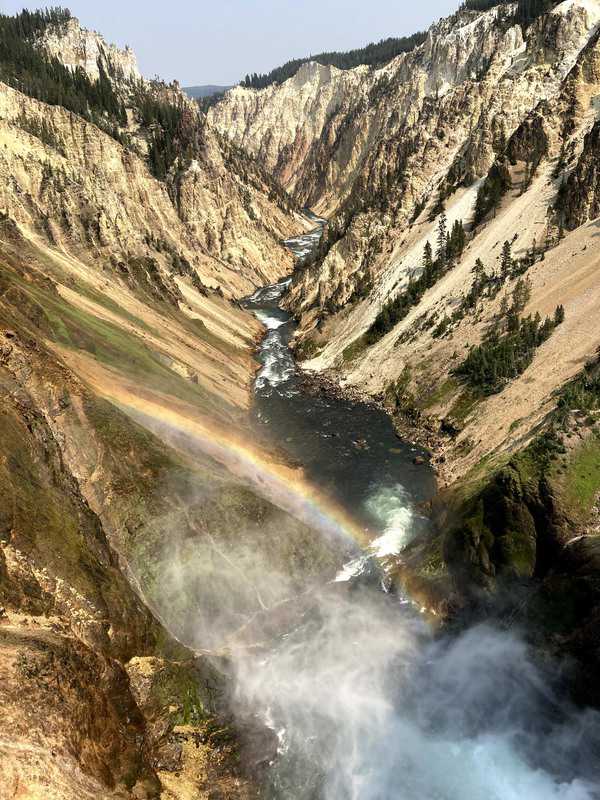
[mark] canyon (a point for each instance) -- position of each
(180, 544)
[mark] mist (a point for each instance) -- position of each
(365, 700)
(367, 703)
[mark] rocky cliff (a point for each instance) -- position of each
(77, 47)
(281, 126)
(371, 147)
(398, 144)
(214, 200)
(128, 233)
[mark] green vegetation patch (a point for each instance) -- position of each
(353, 350)
(497, 535)
(178, 686)
(40, 519)
(581, 481)
(307, 349)
(501, 358)
(44, 516)
(450, 245)
(172, 132)
(140, 459)
(440, 394)
(104, 300)
(28, 69)
(527, 10)
(42, 130)
(432, 563)
(464, 404)
(110, 345)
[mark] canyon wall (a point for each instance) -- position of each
(384, 150)
(119, 319)
(126, 366)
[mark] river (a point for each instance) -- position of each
(349, 450)
(366, 702)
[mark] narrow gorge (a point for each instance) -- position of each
(302, 503)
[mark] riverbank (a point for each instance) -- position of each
(508, 543)
(317, 668)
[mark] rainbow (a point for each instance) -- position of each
(282, 485)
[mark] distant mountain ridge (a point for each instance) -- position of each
(198, 92)
(373, 54)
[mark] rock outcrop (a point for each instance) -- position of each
(81, 189)
(79, 48)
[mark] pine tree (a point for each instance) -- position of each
(561, 162)
(428, 262)
(512, 320)
(479, 273)
(442, 236)
(490, 193)
(439, 206)
(546, 330)
(521, 294)
(457, 239)
(506, 261)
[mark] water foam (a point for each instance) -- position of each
(278, 365)
(391, 507)
(392, 511)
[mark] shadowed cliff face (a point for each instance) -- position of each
(113, 288)
(70, 727)
(103, 520)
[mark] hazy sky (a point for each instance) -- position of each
(220, 41)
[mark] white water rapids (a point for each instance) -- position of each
(364, 700)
